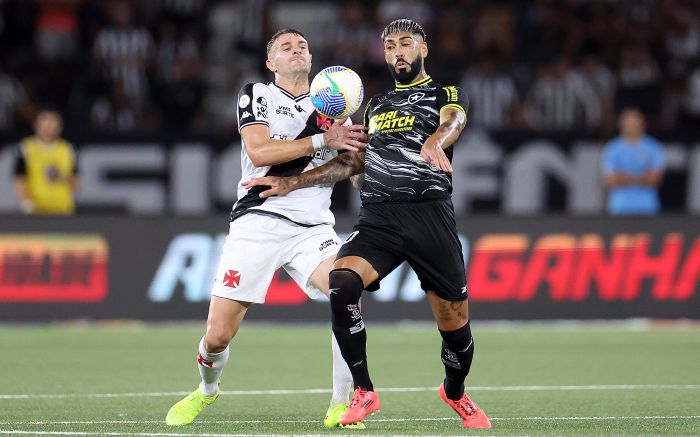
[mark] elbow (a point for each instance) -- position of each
(258, 159)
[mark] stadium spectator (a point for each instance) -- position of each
(633, 165)
(123, 52)
(561, 99)
(639, 79)
(46, 168)
(493, 96)
(13, 102)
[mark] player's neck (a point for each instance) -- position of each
(295, 85)
(422, 75)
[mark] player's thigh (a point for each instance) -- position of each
(434, 252)
(449, 314)
(225, 317)
(250, 256)
(308, 258)
(371, 253)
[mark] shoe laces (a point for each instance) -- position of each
(465, 404)
(357, 396)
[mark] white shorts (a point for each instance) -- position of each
(257, 245)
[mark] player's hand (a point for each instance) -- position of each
(435, 155)
(278, 186)
(352, 137)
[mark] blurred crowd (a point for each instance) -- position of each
(137, 67)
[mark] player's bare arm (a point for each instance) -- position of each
(337, 169)
(264, 151)
(452, 122)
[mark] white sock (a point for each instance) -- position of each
(342, 378)
(210, 367)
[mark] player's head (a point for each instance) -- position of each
(48, 124)
(288, 53)
(632, 122)
(405, 49)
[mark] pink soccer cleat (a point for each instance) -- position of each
(363, 403)
(472, 416)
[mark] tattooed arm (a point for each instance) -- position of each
(452, 122)
(341, 167)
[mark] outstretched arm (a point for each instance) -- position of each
(341, 167)
(452, 122)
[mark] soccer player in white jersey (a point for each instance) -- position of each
(282, 135)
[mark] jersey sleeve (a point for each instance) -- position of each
(253, 105)
(453, 97)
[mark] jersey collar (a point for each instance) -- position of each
(426, 80)
(290, 95)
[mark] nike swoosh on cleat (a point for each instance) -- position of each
(333, 290)
(335, 88)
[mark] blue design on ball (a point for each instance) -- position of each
(327, 103)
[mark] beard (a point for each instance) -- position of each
(404, 74)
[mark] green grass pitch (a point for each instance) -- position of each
(120, 379)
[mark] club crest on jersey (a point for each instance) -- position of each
(323, 122)
(244, 101)
(232, 278)
(415, 97)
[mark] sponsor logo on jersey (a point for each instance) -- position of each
(232, 279)
(326, 244)
(284, 110)
(299, 108)
(244, 101)
(390, 122)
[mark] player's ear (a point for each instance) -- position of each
(424, 49)
(270, 65)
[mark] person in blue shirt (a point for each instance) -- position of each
(633, 165)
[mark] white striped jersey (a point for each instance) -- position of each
(288, 118)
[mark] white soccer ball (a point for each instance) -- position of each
(337, 92)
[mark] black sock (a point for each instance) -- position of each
(457, 353)
(348, 327)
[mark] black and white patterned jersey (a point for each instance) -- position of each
(288, 118)
(399, 122)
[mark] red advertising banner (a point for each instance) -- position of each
(527, 268)
(53, 268)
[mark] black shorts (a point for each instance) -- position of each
(424, 234)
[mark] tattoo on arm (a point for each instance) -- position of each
(341, 167)
(450, 129)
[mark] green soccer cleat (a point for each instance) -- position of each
(333, 415)
(186, 410)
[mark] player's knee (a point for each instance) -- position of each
(459, 339)
(217, 337)
(345, 289)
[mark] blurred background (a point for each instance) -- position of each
(147, 91)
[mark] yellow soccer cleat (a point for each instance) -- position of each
(333, 415)
(186, 410)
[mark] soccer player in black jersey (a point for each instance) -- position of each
(406, 215)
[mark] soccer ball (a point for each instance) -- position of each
(337, 92)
